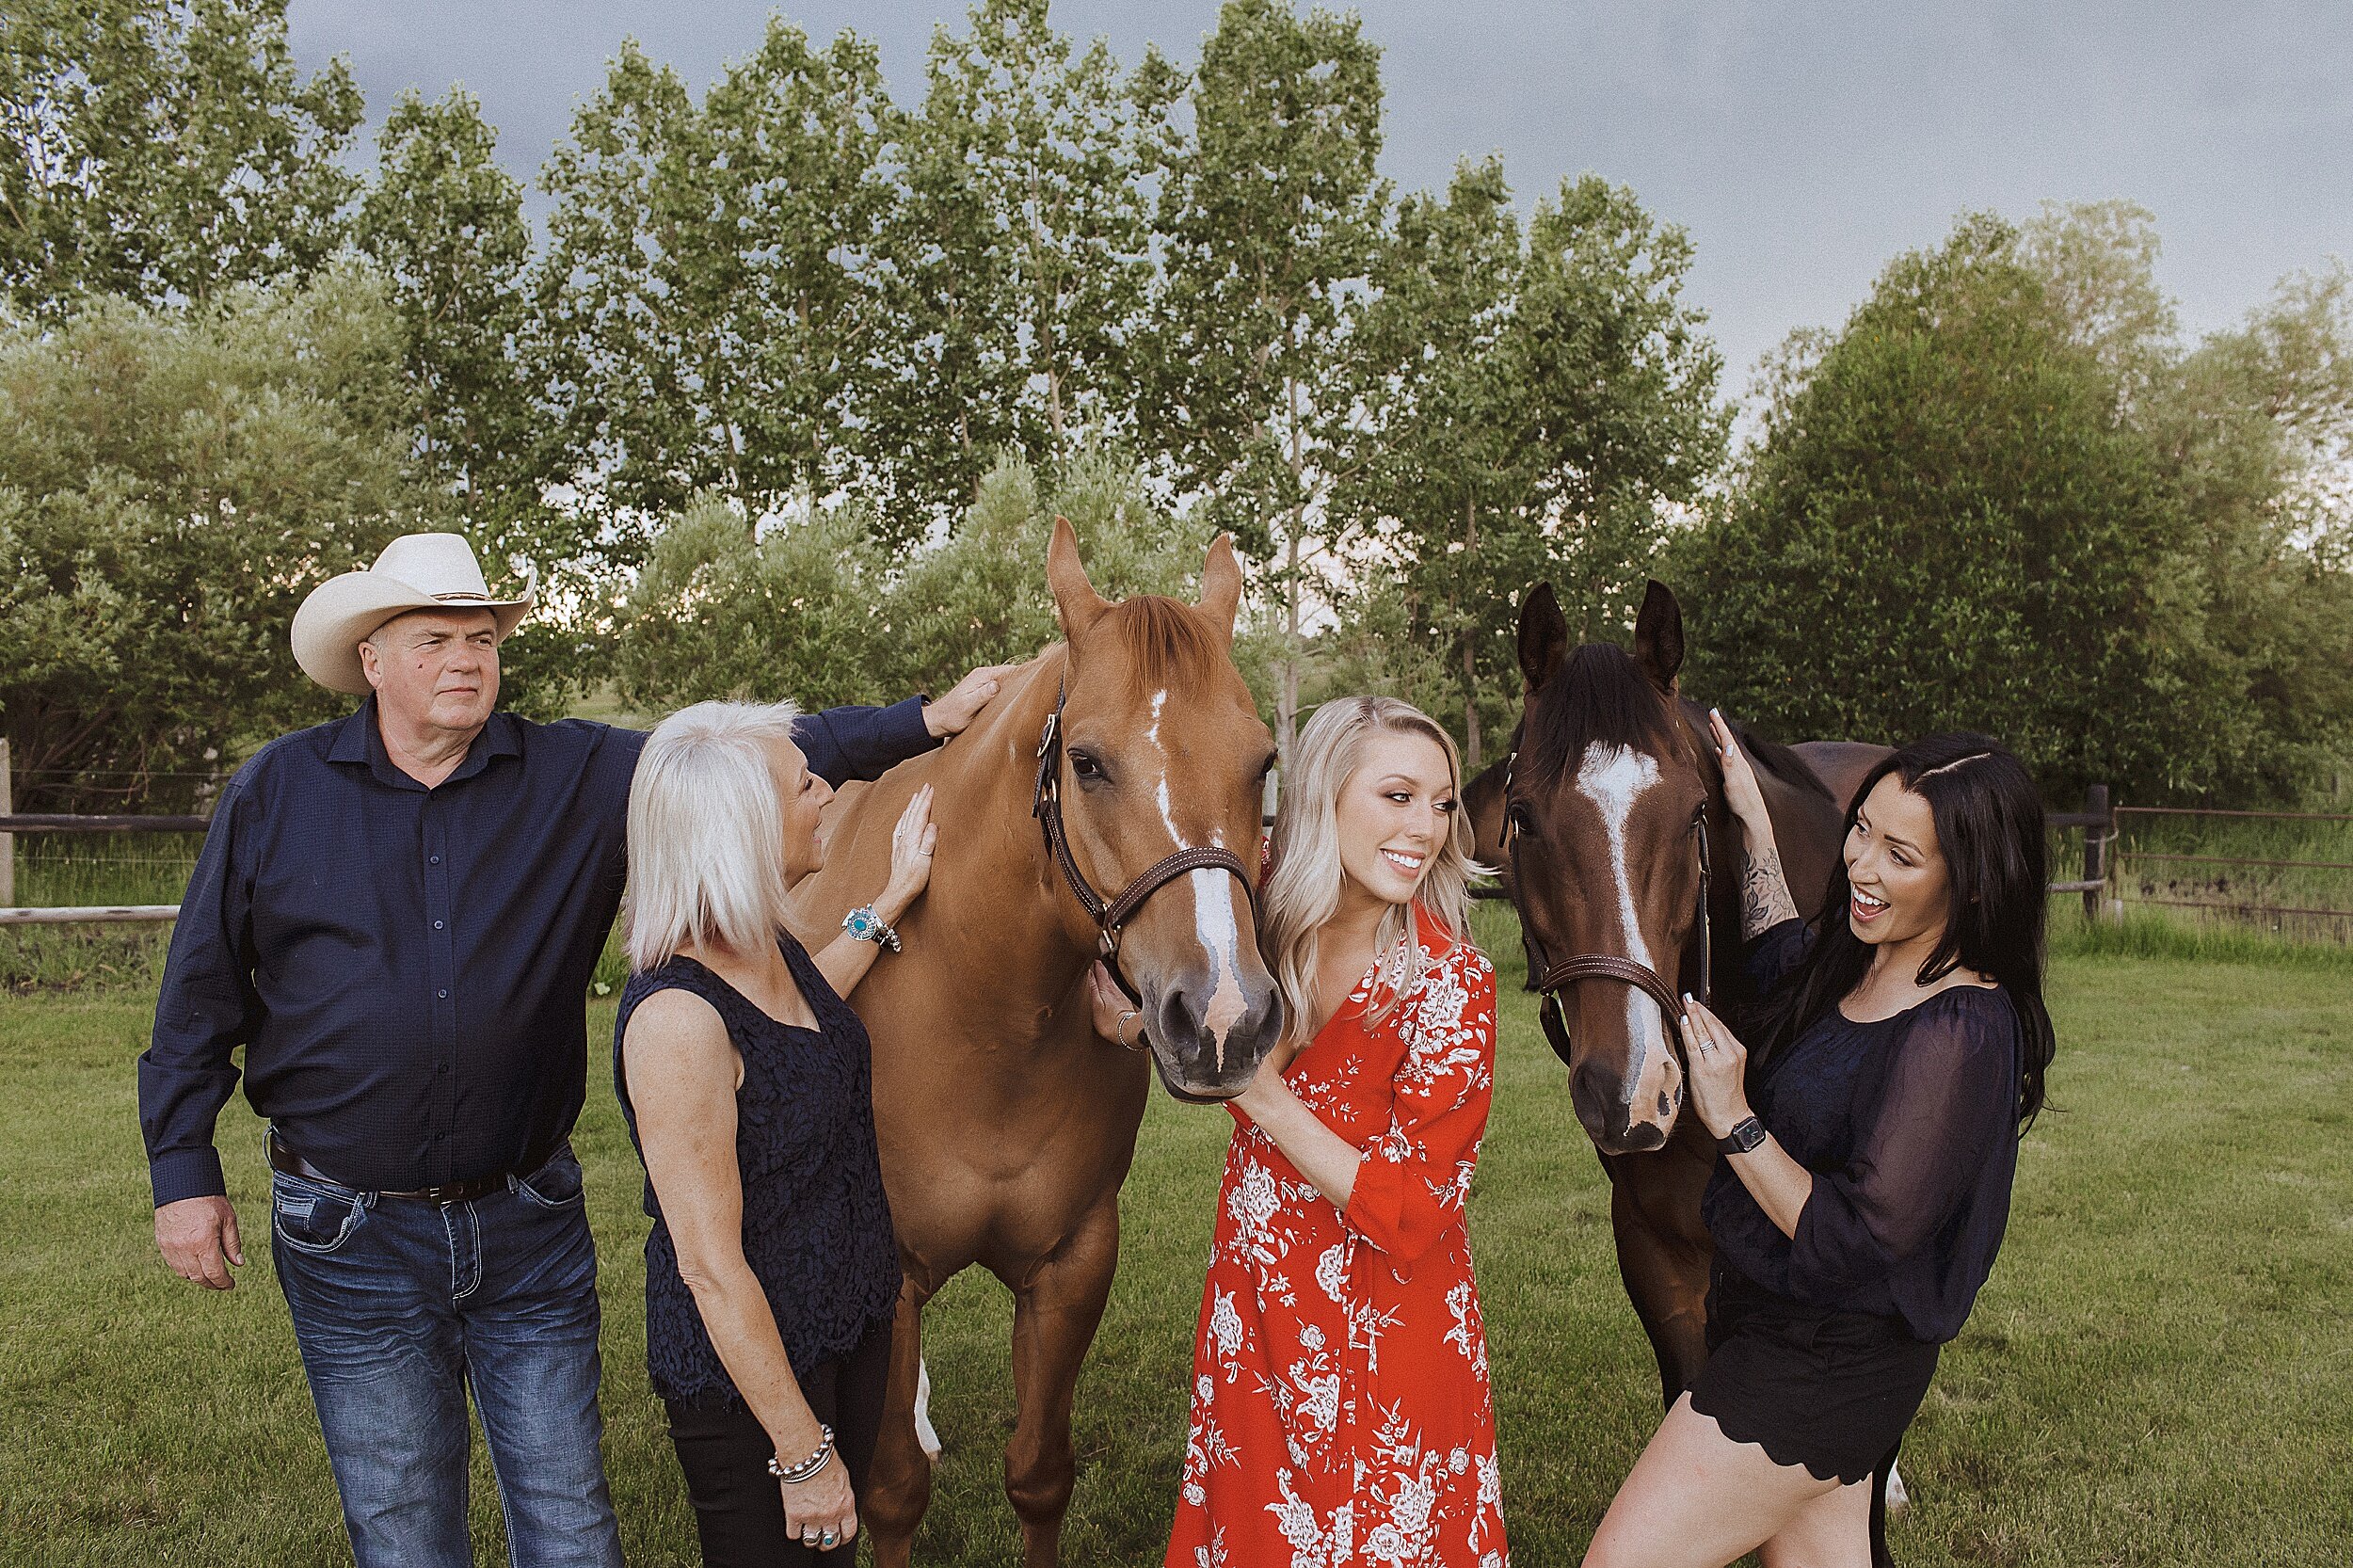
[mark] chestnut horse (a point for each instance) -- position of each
(1006, 1124)
(1610, 822)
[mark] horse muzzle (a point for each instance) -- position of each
(1208, 1047)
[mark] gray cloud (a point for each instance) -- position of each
(1802, 145)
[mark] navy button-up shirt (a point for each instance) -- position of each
(408, 969)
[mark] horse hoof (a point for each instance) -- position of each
(1897, 1499)
(926, 1437)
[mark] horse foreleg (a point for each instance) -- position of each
(898, 1482)
(1055, 1311)
(1666, 1279)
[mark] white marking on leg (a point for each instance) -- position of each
(1613, 778)
(926, 1437)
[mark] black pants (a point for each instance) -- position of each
(739, 1510)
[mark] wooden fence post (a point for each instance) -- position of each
(2096, 834)
(8, 840)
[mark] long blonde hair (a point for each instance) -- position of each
(1303, 887)
(706, 833)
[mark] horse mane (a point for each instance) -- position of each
(1166, 643)
(1601, 697)
(1769, 756)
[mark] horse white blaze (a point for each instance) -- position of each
(1214, 920)
(1613, 778)
(1213, 895)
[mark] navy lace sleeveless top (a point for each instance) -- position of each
(816, 1225)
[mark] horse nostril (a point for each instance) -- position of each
(1666, 1106)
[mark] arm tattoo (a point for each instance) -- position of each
(1765, 900)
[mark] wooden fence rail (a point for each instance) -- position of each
(2097, 821)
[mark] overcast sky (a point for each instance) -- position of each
(1802, 145)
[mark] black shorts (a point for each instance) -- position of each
(1832, 1391)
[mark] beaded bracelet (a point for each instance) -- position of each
(794, 1475)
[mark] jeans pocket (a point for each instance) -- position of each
(314, 1217)
(554, 1185)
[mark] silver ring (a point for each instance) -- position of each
(826, 1538)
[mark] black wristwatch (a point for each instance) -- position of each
(1746, 1134)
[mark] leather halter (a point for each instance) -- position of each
(1112, 914)
(1553, 981)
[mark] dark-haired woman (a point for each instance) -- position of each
(1868, 1153)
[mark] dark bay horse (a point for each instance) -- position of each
(1610, 822)
(1006, 1124)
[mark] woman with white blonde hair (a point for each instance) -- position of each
(772, 1273)
(1340, 1404)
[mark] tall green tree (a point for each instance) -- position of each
(710, 303)
(1619, 379)
(444, 224)
(1270, 217)
(1437, 479)
(1536, 408)
(1948, 525)
(162, 149)
(1021, 250)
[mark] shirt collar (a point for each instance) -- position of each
(358, 738)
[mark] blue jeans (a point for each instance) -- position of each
(399, 1305)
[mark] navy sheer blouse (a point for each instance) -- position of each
(1909, 1127)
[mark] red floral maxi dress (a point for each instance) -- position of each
(1340, 1408)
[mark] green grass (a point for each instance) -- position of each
(2157, 1374)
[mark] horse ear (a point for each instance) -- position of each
(1544, 637)
(1658, 637)
(1077, 604)
(1220, 587)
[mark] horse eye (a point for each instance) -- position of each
(1085, 767)
(1522, 818)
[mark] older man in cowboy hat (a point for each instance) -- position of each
(396, 915)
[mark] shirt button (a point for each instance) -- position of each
(437, 925)
(445, 995)
(433, 860)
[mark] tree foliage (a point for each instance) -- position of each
(162, 149)
(170, 485)
(1021, 252)
(2005, 498)
(1536, 404)
(809, 609)
(710, 299)
(1270, 219)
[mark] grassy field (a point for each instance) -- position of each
(2159, 1373)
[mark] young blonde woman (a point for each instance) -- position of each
(1340, 1403)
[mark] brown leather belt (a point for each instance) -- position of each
(283, 1158)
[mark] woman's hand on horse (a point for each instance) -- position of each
(1717, 1065)
(1740, 787)
(822, 1503)
(947, 715)
(911, 844)
(1115, 1018)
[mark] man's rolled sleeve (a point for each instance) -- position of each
(207, 1008)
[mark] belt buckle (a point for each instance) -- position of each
(444, 1195)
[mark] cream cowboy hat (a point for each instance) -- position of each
(417, 571)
